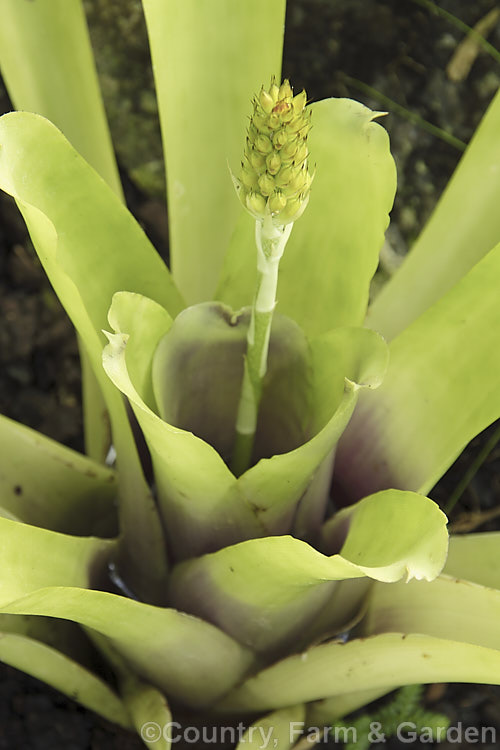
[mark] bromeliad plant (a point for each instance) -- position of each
(217, 579)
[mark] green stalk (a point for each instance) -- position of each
(270, 241)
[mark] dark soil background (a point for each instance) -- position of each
(402, 50)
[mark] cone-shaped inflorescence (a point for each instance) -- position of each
(274, 176)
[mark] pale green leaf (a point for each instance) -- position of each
(441, 389)
(48, 67)
(91, 247)
(45, 484)
(149, 711)
(378, 663)
(96, 422)
(332, 254)
(147, 706)
(45, 573)
(31, 558)
(185, 657)
(97, 244)
(343, 361)
(463, 228)
(185, 466)
(476, 558)
(209, 58)
(67, 560)
(278, 730)
(342, 612)
(422, 540)
(324, 712)
(64, 674)
(63, 635)
(264, 592)
(446, 608)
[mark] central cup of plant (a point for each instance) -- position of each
(199, 368)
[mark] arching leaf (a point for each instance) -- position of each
(441, 389)
(58, 670)
(380, 662)
(45, 484)
(80, 230)
(264, 592)
(464, 227)
(278, 730)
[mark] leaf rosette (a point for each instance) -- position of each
(234, 595)
(252, 543)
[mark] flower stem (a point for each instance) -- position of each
(270, 241)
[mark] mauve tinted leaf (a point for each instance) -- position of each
(197, 375)
(440, 391)
(264, 592)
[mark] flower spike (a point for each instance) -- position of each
(274, 186)
(275, 177)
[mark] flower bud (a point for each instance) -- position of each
(266, 101)
(249, 178)
(274, 121)
(273, 163)
(256, 204)
(287, 115)
(293, 209)
(266, 184)
(263, 144)
(304, 131)
(288, 151)
(258, 161)
(301, 153)
(277, 202)
(261, 122)
(285, 90)
(295, 125)
(284, 176)
(298, 183)
(299, 102)
(279, 139)
(274, 91)
(274, 177)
